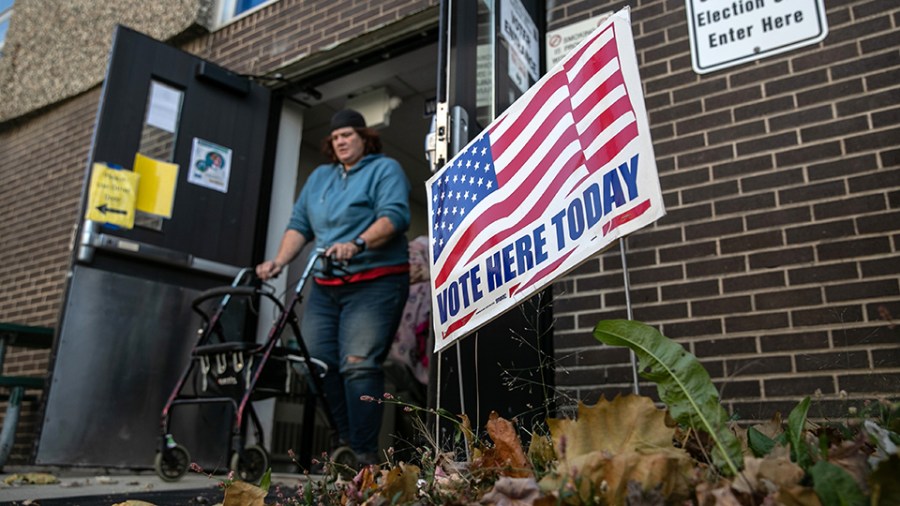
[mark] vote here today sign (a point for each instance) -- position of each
(565, 171)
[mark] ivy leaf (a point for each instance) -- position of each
(682, 382)
(835, 486)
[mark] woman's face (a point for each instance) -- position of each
(348, 146)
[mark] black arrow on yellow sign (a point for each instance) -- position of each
(103, 209)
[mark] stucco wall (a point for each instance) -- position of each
(57, 49)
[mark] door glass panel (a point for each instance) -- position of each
(485, 51)
(158, 135)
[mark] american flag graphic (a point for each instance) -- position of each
(496, 209)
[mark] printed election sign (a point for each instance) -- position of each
(725, 33)
(559, 176)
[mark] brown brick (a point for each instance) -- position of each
(808, 154)
(882, 267)
(823, 273)
(725, 346)
(769, 143)
(857, 30)
(675, 112)
(847, 336)
(778, 218)
(839, 315)
(679, 215)
(715, 368)
(766, 181)
(705, 156)
(874, 140)
(886, 79)
(639, 297)
(761, 109)
(744, 204)
(800, 117)
(796, 81)
(732, 133)
(886, 357)
(656, 275)
(694, 327)
(649, 238)
(847, 165)
(788, 298)
(876, 181)
(854, 249)
(794, 341)
(827, 57)
(679, 144)
(721, 305)
(761, 74)
(886, 118)
(867, 102)
(681, 178)
(752, 242)
(705, 122)
(730, 98)
(830, 92)
(693, 289)
(730, 388)
(715, 228)
(687, 251)
(719, 266)
(862, 290)
(752, 282)
(675, 311)
(820, 231)
(753, 366)
(870, 383)
(743, 167)
(709, 192)
(817, 191)
(799, 385)
(702, 89)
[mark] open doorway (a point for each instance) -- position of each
(407, 81)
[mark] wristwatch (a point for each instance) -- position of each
(360, 244)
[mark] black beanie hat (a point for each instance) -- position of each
(347, 118)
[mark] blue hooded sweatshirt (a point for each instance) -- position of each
(337, 206)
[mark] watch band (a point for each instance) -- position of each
(360, 244)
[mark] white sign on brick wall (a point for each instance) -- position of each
(725, 33)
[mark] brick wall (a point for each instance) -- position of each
(777, 264)
(288, 31)
(42, 166)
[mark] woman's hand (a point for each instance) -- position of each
(268, 270)
(342, 251)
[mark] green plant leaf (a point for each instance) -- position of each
(759, 443)
(834, 486)
(266, 481)
(682, 382)
(796, 427)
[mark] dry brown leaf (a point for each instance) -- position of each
(507, 454)
(31, 478)
(797, 496)
(850, 457)
(401, 480)
(767, 474)
(241, 493)
(772, 428)
(513, 492)
(132, 502)
(628, 422)
(615, 442)
(711, 495)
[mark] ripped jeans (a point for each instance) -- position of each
(351, 327)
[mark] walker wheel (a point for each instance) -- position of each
(250, 464)
(173, 463)
(344, 460)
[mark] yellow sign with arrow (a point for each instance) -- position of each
(112, 195)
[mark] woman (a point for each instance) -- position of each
(357, 209)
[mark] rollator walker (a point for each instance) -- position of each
(236, 373)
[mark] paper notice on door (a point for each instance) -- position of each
(156, 193)
(210, 165)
